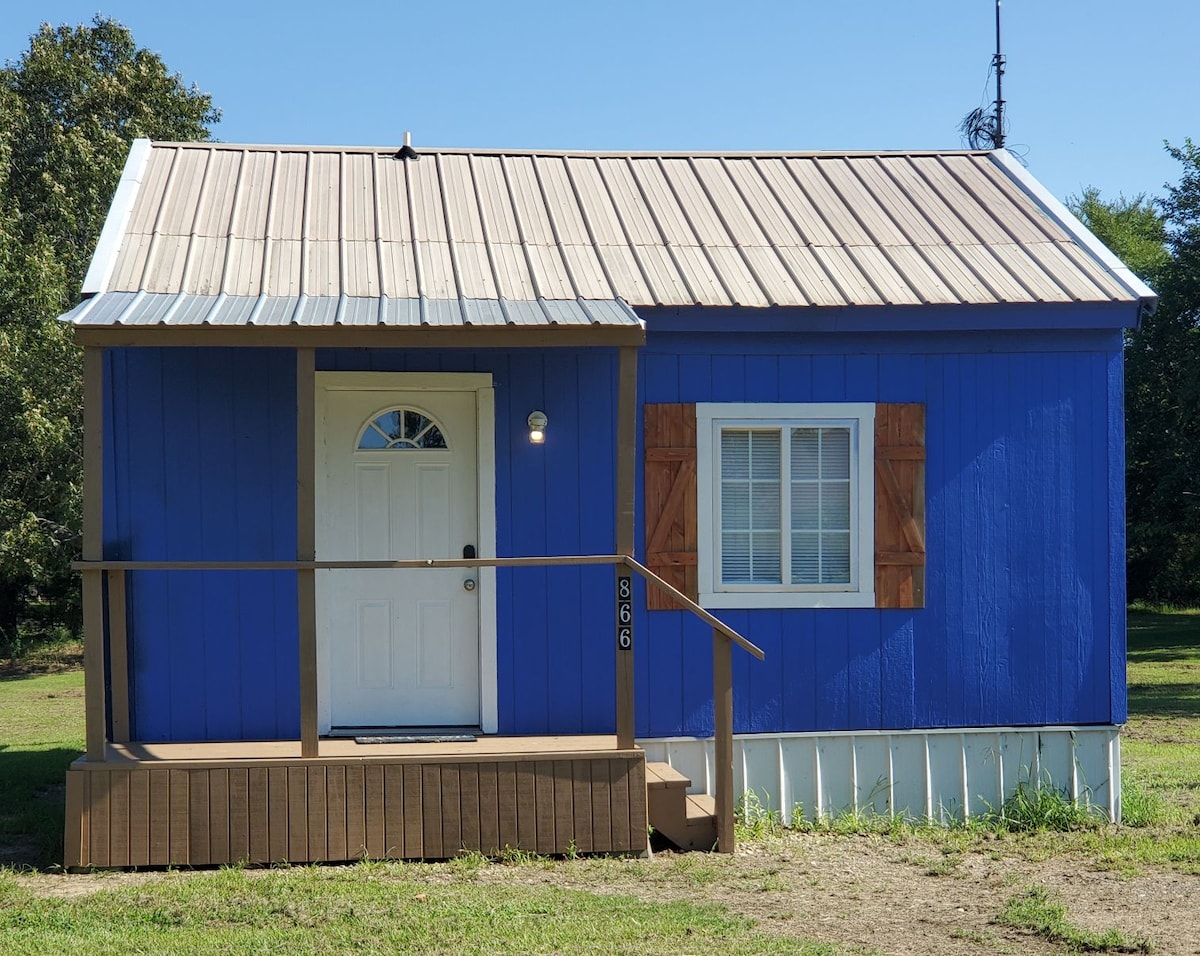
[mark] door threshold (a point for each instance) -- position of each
(406, 735)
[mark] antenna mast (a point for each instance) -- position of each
(983, 130)
(998, 66)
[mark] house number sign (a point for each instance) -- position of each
(624, 613)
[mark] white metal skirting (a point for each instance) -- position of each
(938, 775)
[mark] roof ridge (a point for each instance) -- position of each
(569, 152)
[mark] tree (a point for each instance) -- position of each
(1160, 240)
(69, 108)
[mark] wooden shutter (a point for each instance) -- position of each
(670, 496)
(899, 505)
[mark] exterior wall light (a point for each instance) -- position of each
(537, 427)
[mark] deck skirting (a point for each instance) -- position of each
(132, 814)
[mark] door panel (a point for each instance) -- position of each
(403, 645)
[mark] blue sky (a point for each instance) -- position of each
(1093, 86)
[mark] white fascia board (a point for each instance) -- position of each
(104, 259)
(1084, 236)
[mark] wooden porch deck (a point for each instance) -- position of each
(211, 803)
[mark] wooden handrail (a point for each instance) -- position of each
(724, 637)
(414, 563)
(720, 627)
(565, 560)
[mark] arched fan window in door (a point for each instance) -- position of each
(401, 429)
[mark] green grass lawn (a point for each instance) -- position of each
(1160, 746)
(41, 732)
(444, 908)
(367, 908)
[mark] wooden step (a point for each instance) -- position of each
(689, 820)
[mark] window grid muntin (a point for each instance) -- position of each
(415, 429)
(784, 427)
(751, 482)
(820, 482)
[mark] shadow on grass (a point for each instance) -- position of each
(1163, 637)
(32, 802)
(1165, 700)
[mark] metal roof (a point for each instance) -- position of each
(184, 309)
(488, 233)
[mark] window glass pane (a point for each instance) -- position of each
(764, 558)
(373, 438)
(750, 502)
(835, 453)
(735, 505)
(735, 454)
(804, 452)
(432, 438)
(735, 557)
(806, 505)
(806, 561)
(414, 423)
(835, 506)
(764, 455)
(835, 557)
(391, 425)
(764, 500)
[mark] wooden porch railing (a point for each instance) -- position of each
(724, 637)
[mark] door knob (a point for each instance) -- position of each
(469, 584)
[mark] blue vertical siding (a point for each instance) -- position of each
(201, 465)
(1023, 622)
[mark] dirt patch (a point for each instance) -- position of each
(863, 893)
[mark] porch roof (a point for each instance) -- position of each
(594, 319)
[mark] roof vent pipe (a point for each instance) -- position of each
(406, 151)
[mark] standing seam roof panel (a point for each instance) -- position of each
(995, 201)
(324, 197)
(982, 222)
(830, 206)
(391, 182)
(462, 205)
(945, 220)
(753, 230)
(148, 204)
(595, 204)
(215, 215)
(286, 220)
(250, 216)
(878, 219)
(810, 226)
(180, 200)
(358, 198)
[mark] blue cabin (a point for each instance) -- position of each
(475, 498)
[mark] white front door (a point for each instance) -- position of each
(398, 481)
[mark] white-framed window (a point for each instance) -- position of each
(786, 504)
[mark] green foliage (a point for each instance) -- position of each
(1140, 806)
(71, 104)
(1131, 228)
(1038, 805)
(755, 819)
(1035, 911)
(1160, 240)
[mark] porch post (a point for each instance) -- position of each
(93, 550)
(626, 470)
(306, 545)
(723, 738)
